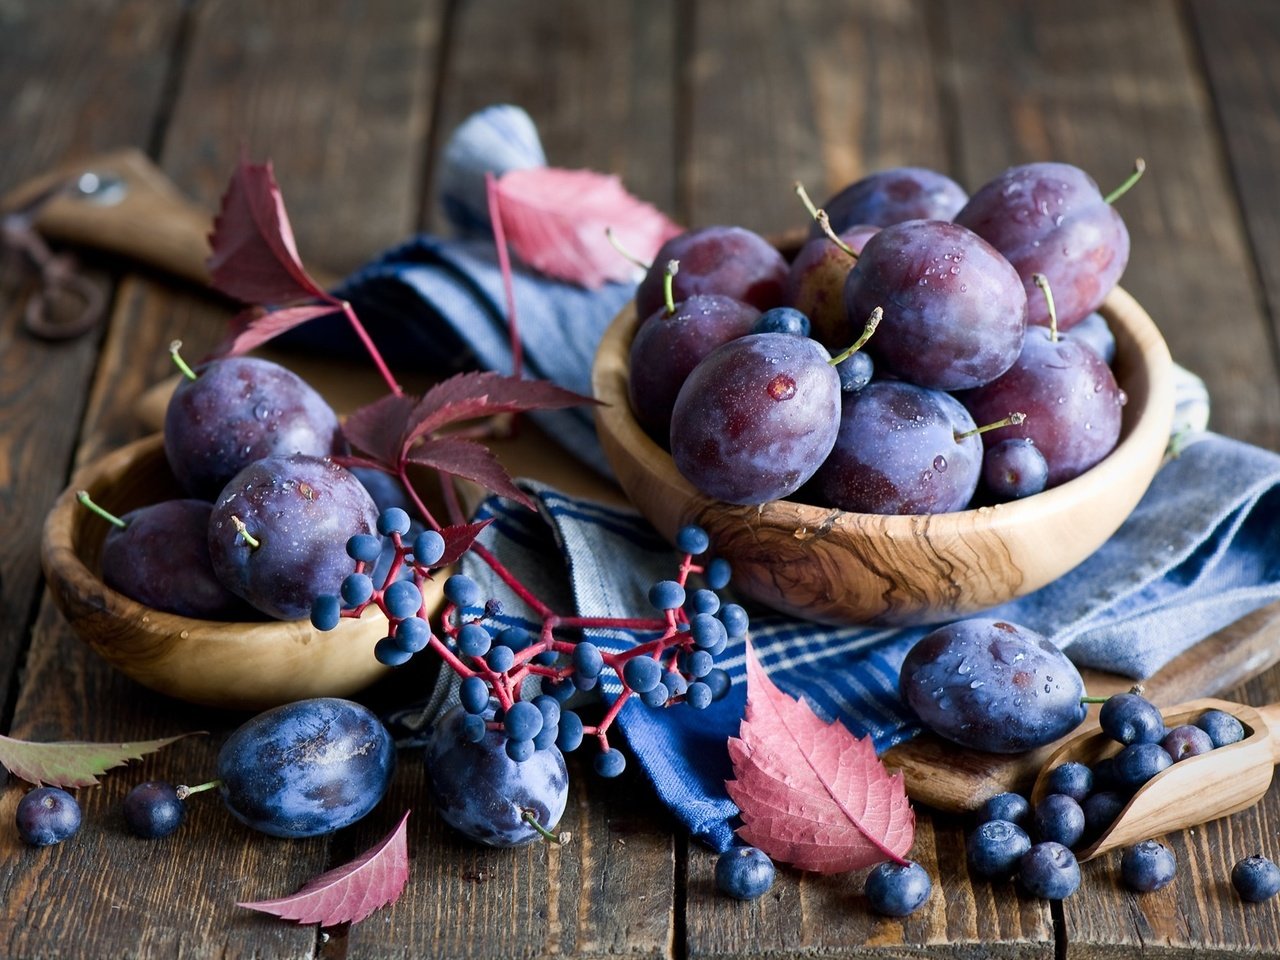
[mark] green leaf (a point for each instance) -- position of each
(73, 763)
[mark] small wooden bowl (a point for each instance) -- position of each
(837, 567)
(241, 666)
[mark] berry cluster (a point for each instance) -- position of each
(673, 661)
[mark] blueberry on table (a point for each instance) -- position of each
(1058, 817)
(1074, 779)
(153, 809)
(1049, 871)
(994, 849)
(1147, 866)
(47, 815)
(744, 873)
(1256, 879)
(897, 889)
(1013, 807)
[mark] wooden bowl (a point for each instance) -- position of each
(838, 567)
(242, 666)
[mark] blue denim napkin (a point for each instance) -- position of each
(1200, 550)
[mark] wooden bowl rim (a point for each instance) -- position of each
(1141, 431)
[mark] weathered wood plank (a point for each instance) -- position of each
(74, 81)
(345, 115)
(1097, 85)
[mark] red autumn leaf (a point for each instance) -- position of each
(349, 893)
(468, 396)
(378, 428)
(470, 460)
(72, 763)
(555, 220)
(811, 793)
(458, 539)
(255, 259)
(253, 328)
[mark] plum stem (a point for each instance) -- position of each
(181, 364)
(669, 286)
(1094, 699)
(1139, 168)
(107, 515)
(622, 250)
(1041, 281)
(823, 221)
(183, 791)
(873, 321)
(530, 817)
(243, 531)
(1012, 420)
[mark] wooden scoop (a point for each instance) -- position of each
(1192, 791)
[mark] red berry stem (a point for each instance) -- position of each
(369, 346)
(504, 263)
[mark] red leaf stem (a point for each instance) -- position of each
(504, 263)
(374, 353)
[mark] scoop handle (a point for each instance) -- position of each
(1271, 716)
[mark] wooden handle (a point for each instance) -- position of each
(1271, 716)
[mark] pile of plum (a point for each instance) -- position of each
(948, 316)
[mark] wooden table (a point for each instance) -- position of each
(710, 110)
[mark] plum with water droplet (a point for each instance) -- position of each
(992, 685)
(731, 261)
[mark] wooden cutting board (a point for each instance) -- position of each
(154, 224)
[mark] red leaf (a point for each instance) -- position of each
(379, 428)
(72, 763)
(470, 460)
(555, 221)
(254, 257)
(811, 793)
(349, 893)
(468, 396)
(458, 539)
(253, 328)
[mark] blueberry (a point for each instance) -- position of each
(704, 601)
(1104, 775)
(356, 589)
(719, 681)
(462, 591)
(666, 595)
(994, 849)
(393, 520)
(656, 696)
(153, 810)
(642, 673)
(389, 653)
(782, 320)
(1147, 866)
(744, 873)
(1060, 819)
(549, 707)
(412, 635)
(1222, 727)
(403, 599)
(1049, 871)
(693, 540)
(587, 659)
(326, 612)
(610, 763)
(569, 737)
(856, 371)
(897, 889)
(428, 548)
(1139, 762)
(520, 750)
(698, 696)
(1073, 779)
(483, 793)
(500, 659)
(523, 721)
(1256, 879)
(1006, 806)
(47, 815)
(718, 573)
(473, 640)
(1129, 718)
(306, 768)
(473, 693)
(675, 683)
(707, 630)
(1186, 741)
(735, 620)
(364, 547)
(517, 638)
(1101, 810)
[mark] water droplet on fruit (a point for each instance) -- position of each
(1062, 399)
(963, 668)
(261, 411)
(975, 684)
(1122, 398)
(782, 387)
(1048, 689)
(940, 463)
(964, 288)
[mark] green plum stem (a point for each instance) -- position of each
(1041, 281)
(181, 364)
(622, 250)
(1012, 420)
(1139, 168)
(669, 286)
(1094, 699)
(531, 818)
(873, 321)
(107, 515)
(823, 221)
(243, 531)
(183, 791)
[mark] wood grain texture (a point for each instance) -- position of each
(1097, 84)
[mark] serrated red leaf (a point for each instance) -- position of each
(255, 259)
(378, 428)
(72, 763)
(458, 539)
(468, 396)
(470, 460)
(254, 327)
(811, 793)
(555, 221)
(351, 892)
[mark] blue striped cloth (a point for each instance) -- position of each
(1200, 550)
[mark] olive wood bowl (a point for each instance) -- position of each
(241, 666)
(838, 567)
